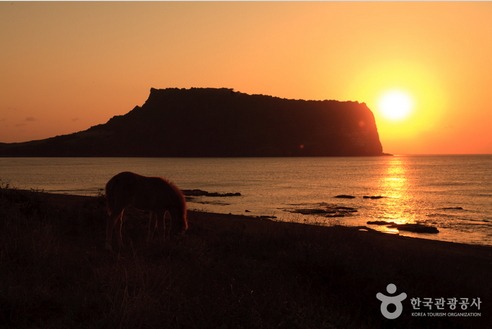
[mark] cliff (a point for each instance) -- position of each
(205, 122)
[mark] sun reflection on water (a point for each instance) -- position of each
(394, 182)
(394, 185)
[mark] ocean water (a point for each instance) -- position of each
(452, 193)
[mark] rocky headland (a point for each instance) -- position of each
(207, 122)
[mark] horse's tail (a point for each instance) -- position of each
(184, 217)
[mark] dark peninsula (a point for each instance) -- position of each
(206, 122)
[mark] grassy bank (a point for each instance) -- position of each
(227, 272)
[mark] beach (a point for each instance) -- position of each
(227, 271)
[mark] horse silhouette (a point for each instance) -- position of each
(154, 194)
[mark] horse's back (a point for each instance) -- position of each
(157, 193)
(152, 193)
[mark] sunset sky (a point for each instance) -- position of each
(67, 66)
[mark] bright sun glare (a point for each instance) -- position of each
(395, 105)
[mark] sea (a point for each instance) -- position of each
(450, 192)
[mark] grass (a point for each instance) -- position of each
(226, 272)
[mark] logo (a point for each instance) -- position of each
(432, 307)
(391, 300)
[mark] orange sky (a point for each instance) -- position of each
(67, 66)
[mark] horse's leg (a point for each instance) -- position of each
(110, 226)
(120, 235)
(177, 228)
(151, 226)
(160, 224)
(162, 231)
(170, 214)
(109, 232)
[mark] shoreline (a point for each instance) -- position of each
(73, 200)
(227, 270)
(372, 228)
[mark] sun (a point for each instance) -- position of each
(395, 105)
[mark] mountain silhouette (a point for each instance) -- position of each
(209, 122)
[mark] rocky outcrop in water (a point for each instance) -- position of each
(205, 122)
(409, 227)
(325, 211)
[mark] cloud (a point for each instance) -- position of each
(26, 121)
